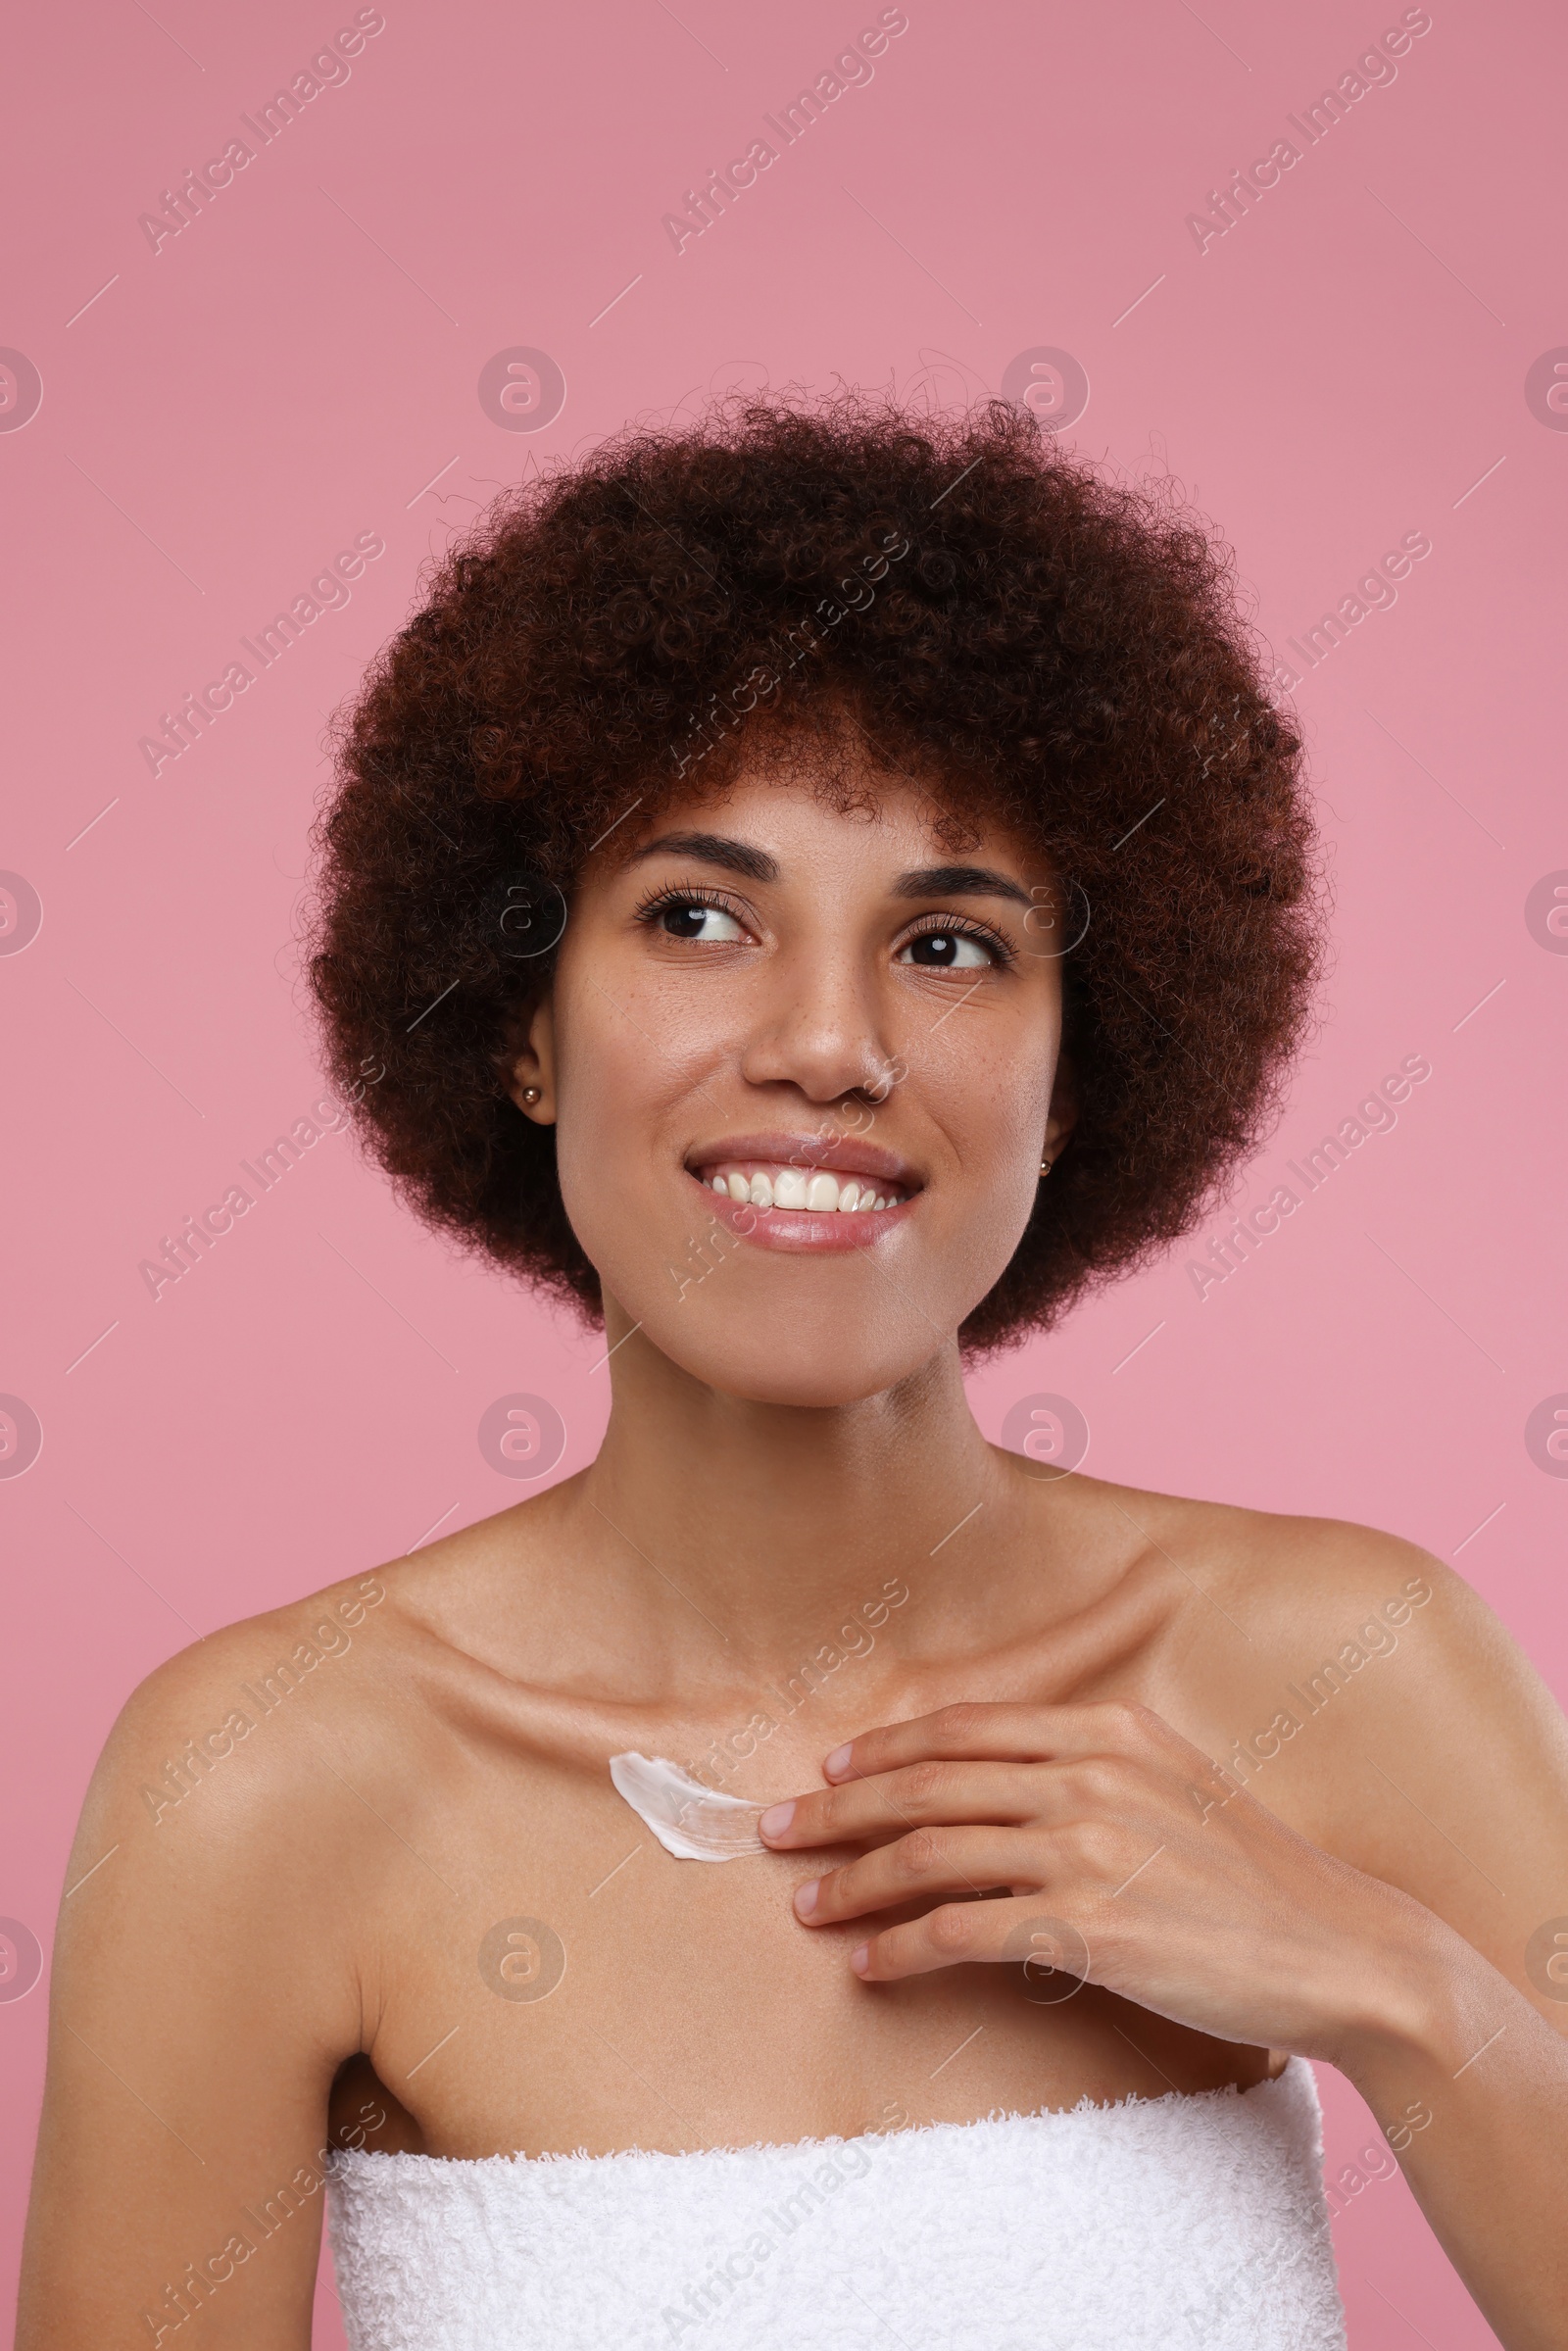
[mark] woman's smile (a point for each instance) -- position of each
(798, 1193)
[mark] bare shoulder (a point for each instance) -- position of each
(208, 1978)
(220, 1792)
(1349, 1612)
(348, 1659)
(1369, 1695)
(1330, 1598)
(185, 1726)
(255, 1806)
(310, 1712)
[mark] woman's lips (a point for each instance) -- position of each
(807, 1229)
(806, 1153)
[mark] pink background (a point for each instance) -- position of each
(299, 364)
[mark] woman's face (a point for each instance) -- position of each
(813, 1010)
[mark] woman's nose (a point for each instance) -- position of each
(817, 1025)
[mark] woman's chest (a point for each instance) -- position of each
(555, 1980)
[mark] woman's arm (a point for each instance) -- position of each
(1135, 1863)
(1472, 2093)
(202, 1999)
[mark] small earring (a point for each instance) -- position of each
(1045, 1167)
(530, 1094)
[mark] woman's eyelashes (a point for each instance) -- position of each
(700, 917)
(948, 942)
(697, 916)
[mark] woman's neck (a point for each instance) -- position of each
(749, 1533)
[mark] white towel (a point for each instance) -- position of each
(1177, 2223)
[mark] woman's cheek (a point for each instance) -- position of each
(630, 1097)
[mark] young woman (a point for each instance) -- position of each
(819, 893)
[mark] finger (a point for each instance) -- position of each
(1000, 1930)
(980, 1730)
(919, 1796)
(926, 1863)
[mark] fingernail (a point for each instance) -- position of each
(836, 1763)
(806, 1897)
(861, 1959)
(775, 1820)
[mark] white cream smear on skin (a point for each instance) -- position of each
(689, 1819)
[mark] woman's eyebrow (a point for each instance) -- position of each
(759, 865)
(713, 849)
(959, 881)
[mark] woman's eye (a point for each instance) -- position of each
(947, 950)
(687, 919)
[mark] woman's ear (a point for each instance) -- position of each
(1062, 1116)
(530, 1077)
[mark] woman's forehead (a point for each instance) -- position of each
(889, 822)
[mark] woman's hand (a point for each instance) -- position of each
(1133, 1862)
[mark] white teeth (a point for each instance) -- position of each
(816, 1189)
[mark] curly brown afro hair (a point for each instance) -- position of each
(1066, 648)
